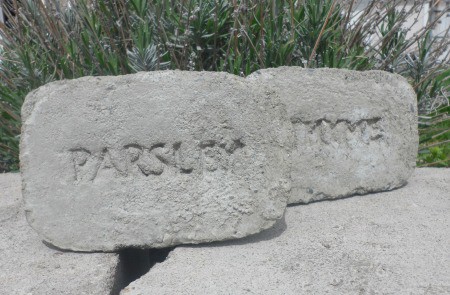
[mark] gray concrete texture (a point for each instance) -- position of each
(28, 267)
(395, 242)
(356, 132)
(153, 160)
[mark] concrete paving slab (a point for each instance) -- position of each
(395, 242)
(29, 267)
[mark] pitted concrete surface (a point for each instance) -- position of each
(153, 160)
(395, 242)
(28, 267)
(356, 132)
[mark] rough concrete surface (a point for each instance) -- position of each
(394, 242)
(153, 160)
(28, 267)
(356, 132)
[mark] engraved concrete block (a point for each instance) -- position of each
(356, 132)
(153, 160)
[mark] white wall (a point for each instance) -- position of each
(422, 16)
(444, 23)
(1, 12)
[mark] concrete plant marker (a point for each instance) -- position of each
(356, 132)
(153, 160)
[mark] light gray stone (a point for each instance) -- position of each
(153, 160)
(387, 243)
(356, 132)
(28, 267)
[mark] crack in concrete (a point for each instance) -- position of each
(134, 263)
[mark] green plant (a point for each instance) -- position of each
(429, 72)
(10, 128)
(43, 41)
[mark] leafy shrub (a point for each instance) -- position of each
(432, 85)
(43, 41)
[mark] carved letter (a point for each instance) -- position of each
(186, 157)
(84, 164)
